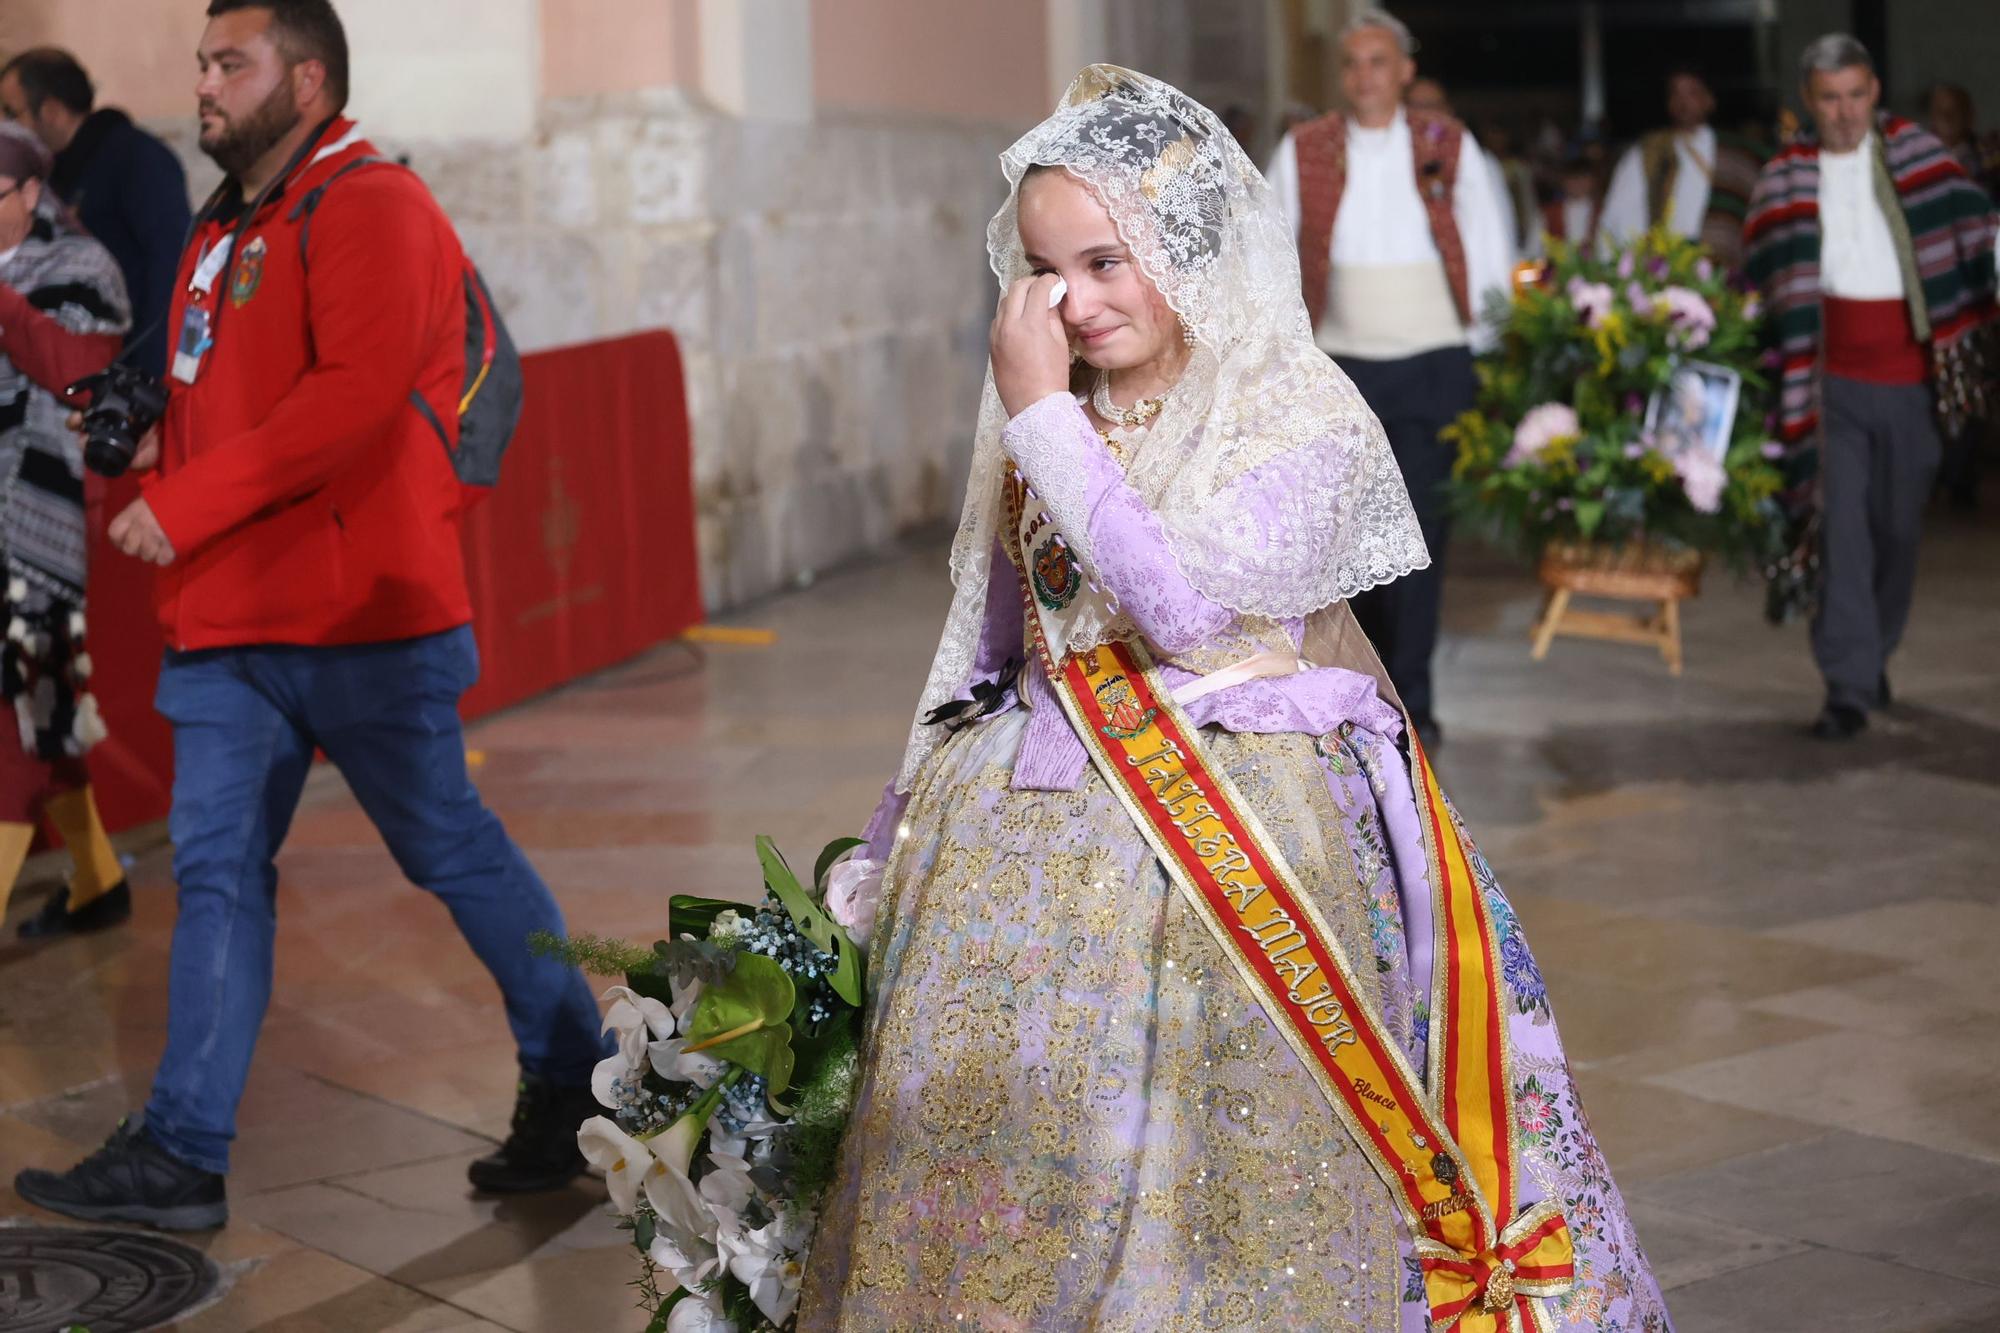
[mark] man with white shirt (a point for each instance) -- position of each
(1402, 245)
(1687, 177)
(1875, 252)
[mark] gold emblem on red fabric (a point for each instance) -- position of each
(248, 274)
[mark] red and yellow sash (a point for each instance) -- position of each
(1448, 1161)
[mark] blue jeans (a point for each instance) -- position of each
(246, 721)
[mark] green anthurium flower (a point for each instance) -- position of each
(743, 1019)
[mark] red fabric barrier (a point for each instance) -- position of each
(582, 557)
(133, 768)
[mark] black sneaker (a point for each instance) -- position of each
(130, 1179)
(540, 1152)
(108, 909)
(1884, 699)
(1837, 722)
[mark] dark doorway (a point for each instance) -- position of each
(1523, 60)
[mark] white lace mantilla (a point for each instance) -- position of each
(1257, 395)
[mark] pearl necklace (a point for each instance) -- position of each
(1131, 417)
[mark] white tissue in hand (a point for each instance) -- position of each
(1058, 292)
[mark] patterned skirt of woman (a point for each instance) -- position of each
(1072, 1115)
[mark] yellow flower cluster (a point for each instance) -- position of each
(1610, 335)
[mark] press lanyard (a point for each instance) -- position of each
(199, 321)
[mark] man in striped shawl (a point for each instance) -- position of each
(62, 314)
(1875, 253)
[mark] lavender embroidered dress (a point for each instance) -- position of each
(1071, 1115)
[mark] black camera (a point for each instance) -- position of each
(125, 403)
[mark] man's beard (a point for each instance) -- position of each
(241, 143)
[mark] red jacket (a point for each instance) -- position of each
(307, 500)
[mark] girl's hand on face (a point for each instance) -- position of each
(1030, 348)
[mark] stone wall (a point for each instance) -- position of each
(828, 282)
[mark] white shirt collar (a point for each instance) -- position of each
(1398, 124)
(343, 143)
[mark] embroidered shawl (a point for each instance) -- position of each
(43, 667)
(1943, 229)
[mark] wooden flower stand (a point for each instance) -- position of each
(1660, 579)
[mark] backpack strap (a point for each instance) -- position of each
(306, 207)
(308, 204)
(429, 414)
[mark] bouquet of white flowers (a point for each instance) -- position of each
(730, 1087)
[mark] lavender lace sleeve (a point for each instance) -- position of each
(1123, 546)
(1119, 540)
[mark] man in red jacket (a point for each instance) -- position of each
(304, 517)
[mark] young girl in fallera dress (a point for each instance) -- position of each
(1192, 1006)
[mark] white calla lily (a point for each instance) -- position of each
(697, 1313)
(631, 1012)
(685, 999)
(612, 1070)
(691, 1260)
(675, 1144)
(726, 1188)
(670, 1060)
(625, 1161)
(684, 1224)
(766, 1261)
(681, 1209)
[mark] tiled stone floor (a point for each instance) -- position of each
(1770, 957)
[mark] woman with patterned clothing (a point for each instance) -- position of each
(1150, 900)
(62, 314)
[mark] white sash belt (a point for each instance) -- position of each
(1273, 663)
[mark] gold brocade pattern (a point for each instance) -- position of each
(1246, 636)
(1071, 1114)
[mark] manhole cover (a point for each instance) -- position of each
(106, 1281)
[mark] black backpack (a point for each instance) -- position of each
(489, 401)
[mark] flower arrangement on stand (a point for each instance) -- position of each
(730, 1088)
(1621, 436)
(1566, 446)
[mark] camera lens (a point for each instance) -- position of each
(108, 445)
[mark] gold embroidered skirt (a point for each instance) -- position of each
(1071, 1115)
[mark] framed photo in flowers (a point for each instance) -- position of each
(1694, 411)
(1625, 402)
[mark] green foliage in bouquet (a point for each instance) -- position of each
(1557, 449)
(729, 1093)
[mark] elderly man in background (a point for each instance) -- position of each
(1403, 242)
(124, 185)
(62, 312)
(1876, 255)
(1688, 178)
